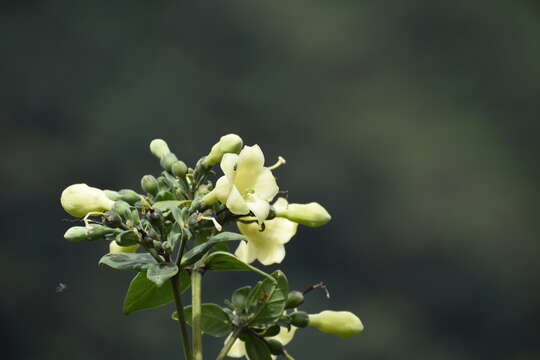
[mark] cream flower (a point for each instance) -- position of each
(284, 337)
(247, 184)
(267, 246)
(341, 323)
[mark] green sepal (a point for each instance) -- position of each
(128, 261)
(128, 237)
(256, 348)
(220, 260)
(214, 320)
(129, 196)
(144, 294)
(197, 252)
(159, 273)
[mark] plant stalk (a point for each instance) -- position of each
(228, 345)
(196, 280)
(181, 319)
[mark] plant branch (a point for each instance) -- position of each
(181, 319)
(228, 344)
(196, 280)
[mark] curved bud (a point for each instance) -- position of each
(159, 148)
(149, 184)
(122, 208)
(341, 323)
(129, 196)
(230, 143)
(115, 248)
(92, 232)
(179, 169)
(167, 161)
(80, 199)
(294, 299)
(299, 319)
(312, 214)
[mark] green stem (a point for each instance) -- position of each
(228, 345)
(196, 280)
(181, 319)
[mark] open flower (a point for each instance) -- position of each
(80, 199)
(341, 323)
(284, 337)
(247, 184)
(267, 245)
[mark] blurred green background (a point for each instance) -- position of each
(414, 122)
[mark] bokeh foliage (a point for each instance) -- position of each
(416, 121)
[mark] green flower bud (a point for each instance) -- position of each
(230, 143)
(299, 319)
(122, 208)
(275, 347)
(115, 248)
(179, 169)
(312, 214)
(167, 161)
(149, 184)
(128, 237)
(80, 199)
(129, 196)
(112, 219)
(294, 299)
(111, 194)
(159, 148)
(272, 330)
(92, 232)
(341, 323)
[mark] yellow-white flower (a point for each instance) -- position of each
(267, 246)
(247, 184)
(341, 323)
(312, 214)
(284, 337)
(80, 199)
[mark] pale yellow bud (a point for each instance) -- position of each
(159, 148)
(312, 214)
(80, 199)
(230, 143)
(115, 248)
(341, 323)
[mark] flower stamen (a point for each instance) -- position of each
(280, 161)
(213, 220)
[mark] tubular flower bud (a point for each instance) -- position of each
(230, 143)
(167, 161)
(122, 208)
(267, 246)
(179, 169)
(294, 299)
(149, 184)
(115, 248)
(159, 148)
(312, 214)
(80, 199)
(341, 323)
(92, 232)
(284, 337)
(113, 195)
(247, 185)
(129, 196)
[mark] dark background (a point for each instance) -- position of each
(415, 123)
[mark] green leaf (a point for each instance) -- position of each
(256, 348)
(225, 261)
(239, 297)
(166, 205)
(128, 261)
(174, 236)
(197, 252)
(268, 302)
(214, 320)
(144, 294)
(178, 216)
(159, 273)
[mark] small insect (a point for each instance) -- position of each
(61, 287)
(263, 297)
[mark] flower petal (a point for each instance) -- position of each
(238, 349)
(265, 185)
(236, 203)
(228, 164)
(222, 189)
(250, 164)
(280, 204)
(271, 254)
(285, 336)
(245, 252)
(258, 207)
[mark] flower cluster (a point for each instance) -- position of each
(172, 231)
